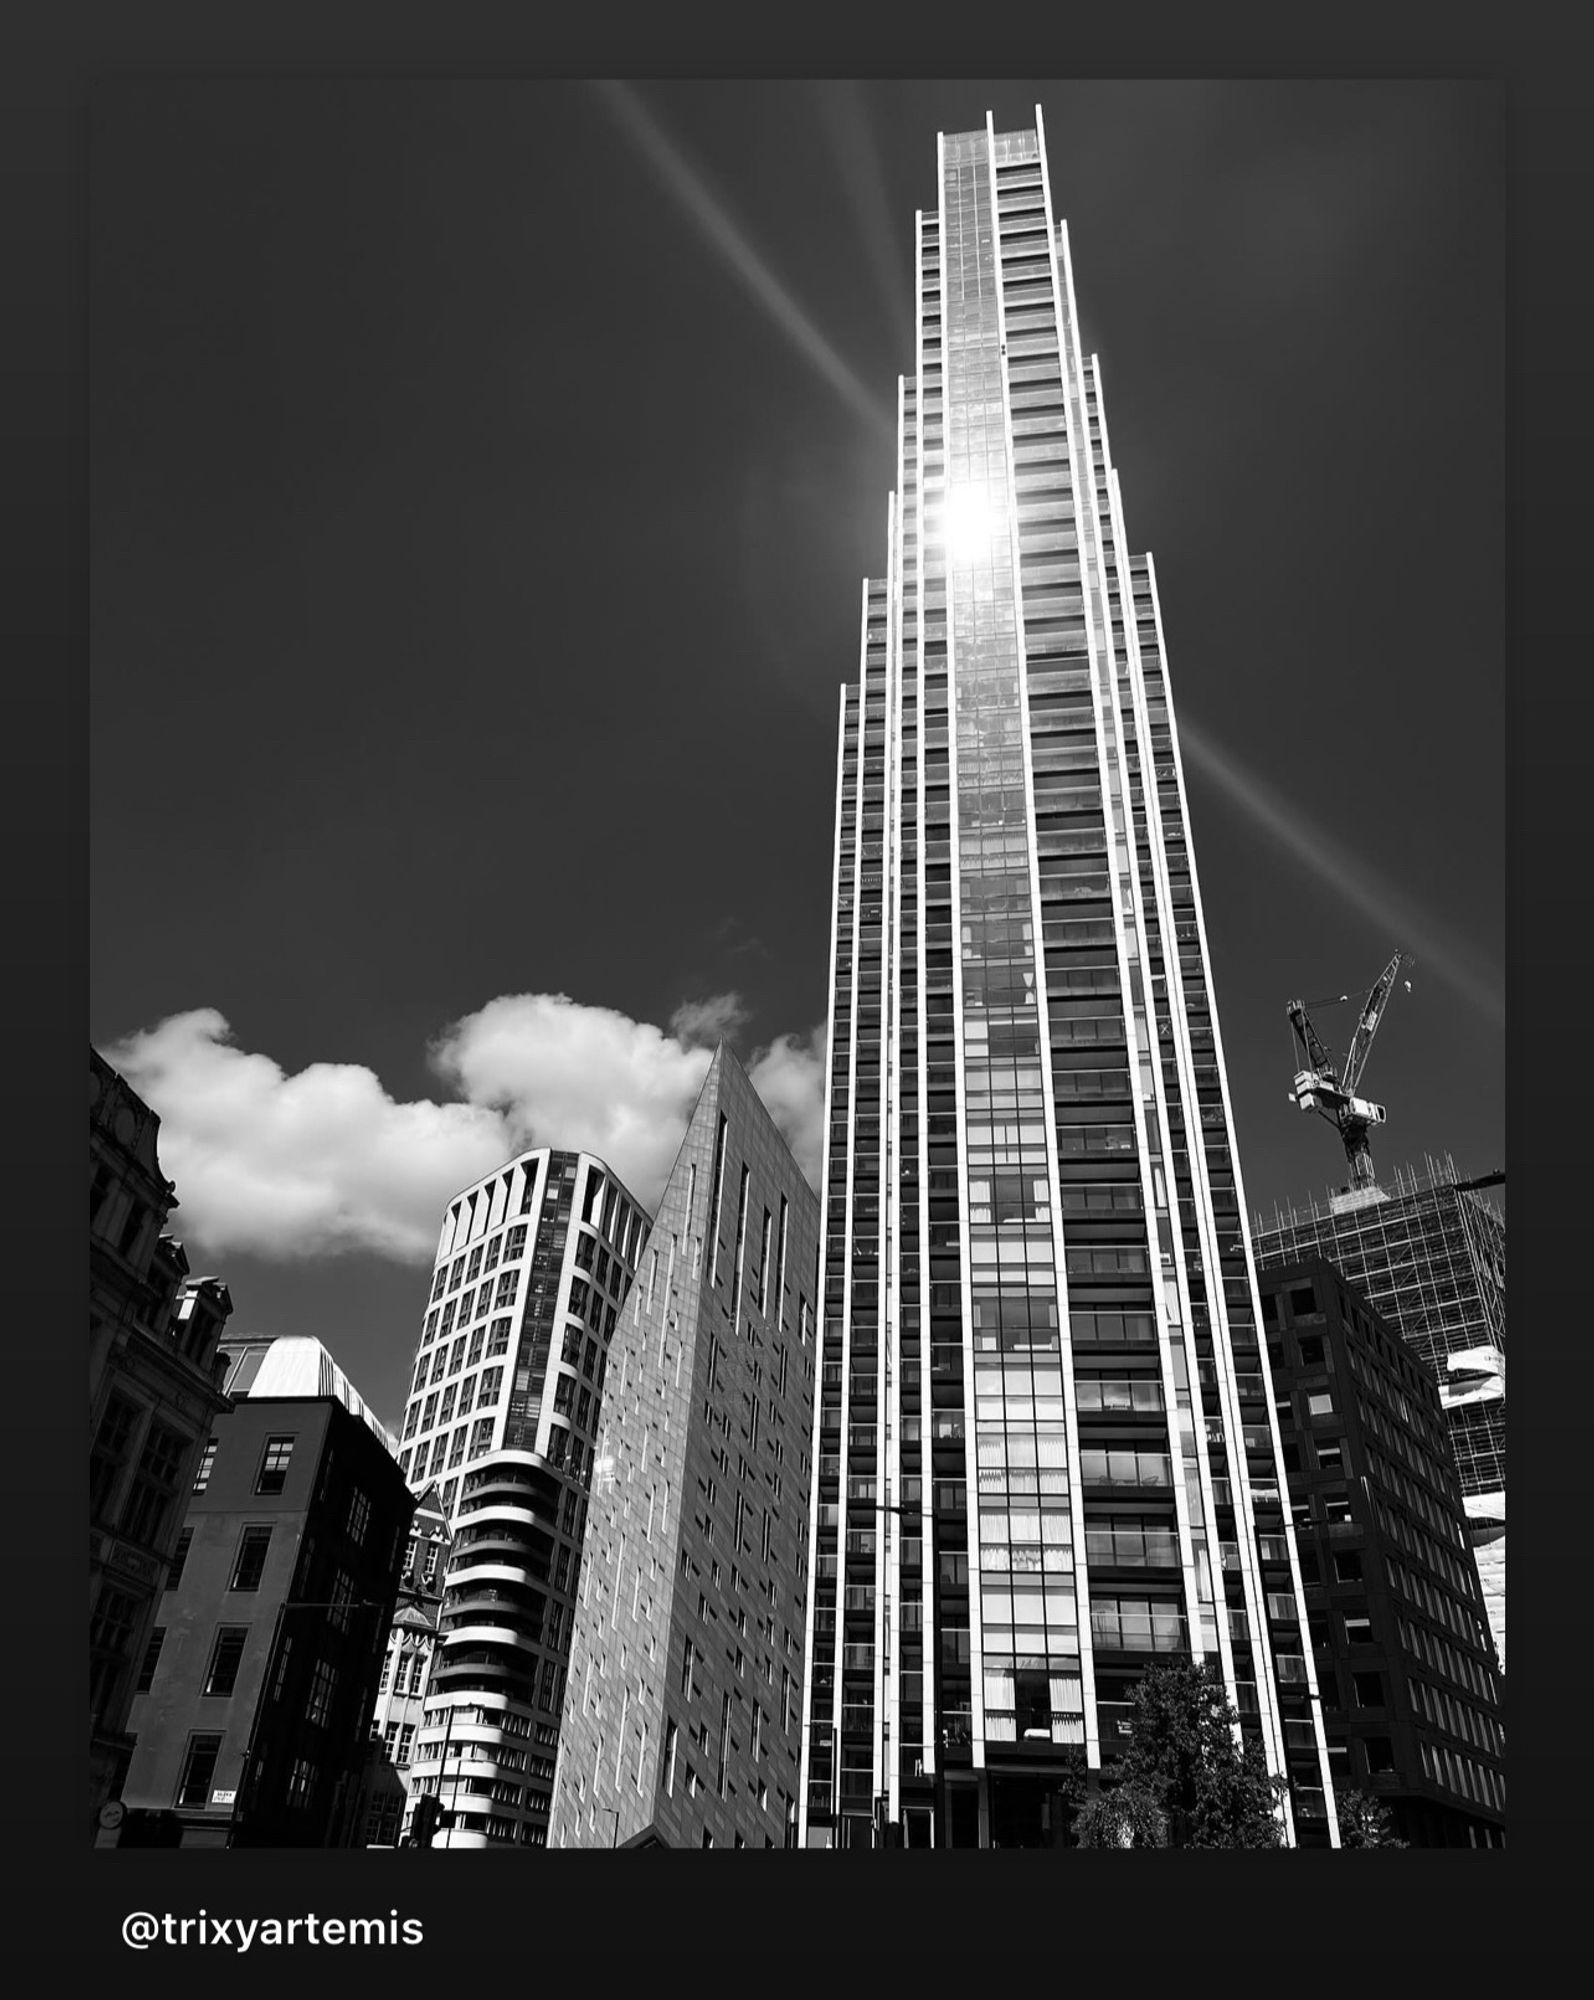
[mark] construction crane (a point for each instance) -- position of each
(1328, 1088)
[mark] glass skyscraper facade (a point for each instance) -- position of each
(1046, 1453)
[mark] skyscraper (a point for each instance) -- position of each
(1429, 1253)
(682, 1722)
(533, 1267)
(1046, 1450)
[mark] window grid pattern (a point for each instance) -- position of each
(1047, 1177)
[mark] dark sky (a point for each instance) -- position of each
(479, 515)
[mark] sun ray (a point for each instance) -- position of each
(1347, 875)
(717, 229)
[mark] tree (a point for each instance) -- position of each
(1365, 1821)
(1184, 1757)
(1128, 1816)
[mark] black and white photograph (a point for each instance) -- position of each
(797, 905)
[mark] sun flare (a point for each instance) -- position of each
(968, 522)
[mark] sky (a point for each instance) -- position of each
(483, 476)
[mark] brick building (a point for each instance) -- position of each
(259, 1681)
(682, 1716)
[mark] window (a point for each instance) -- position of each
(155, 1485)
(725, 1740)
(226, 1655)
(1321, 1404)
(199, 1767)
(273, 1474)
(110, 1452)
(1347, 1566)
(1380, 1754)
(152, 1654)
(115, 1616)
(250, 1565)
(342, 1596)
(207, 1460)
(1369, 1690)
(301, 1784)
(184, 1543)
(323, 1684)
(1311, 1347)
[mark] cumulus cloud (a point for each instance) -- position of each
(326, 1160)
(708, 1022)
(585, 1078)
(790, 1077)
(276, 1165)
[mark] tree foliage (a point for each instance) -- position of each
(1126, 1817)
(1365, 1821)
(1214, 1789)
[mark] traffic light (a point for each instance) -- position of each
(428, 1819)
(424, 1821)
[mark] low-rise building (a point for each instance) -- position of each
(259, 1681)
(153, 1392)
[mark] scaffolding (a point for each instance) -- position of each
(1428, 1253)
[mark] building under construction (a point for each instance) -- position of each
(1428, 1253)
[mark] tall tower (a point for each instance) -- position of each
(533, 1268)
(683, 1718)
(1046, 1453)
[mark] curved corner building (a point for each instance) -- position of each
(1046, 1453)
(532, 1269)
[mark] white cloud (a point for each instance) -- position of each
(584, 1078)
(790, 1077)
(280, 1165)
(708, 1022)
(325, 1160)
